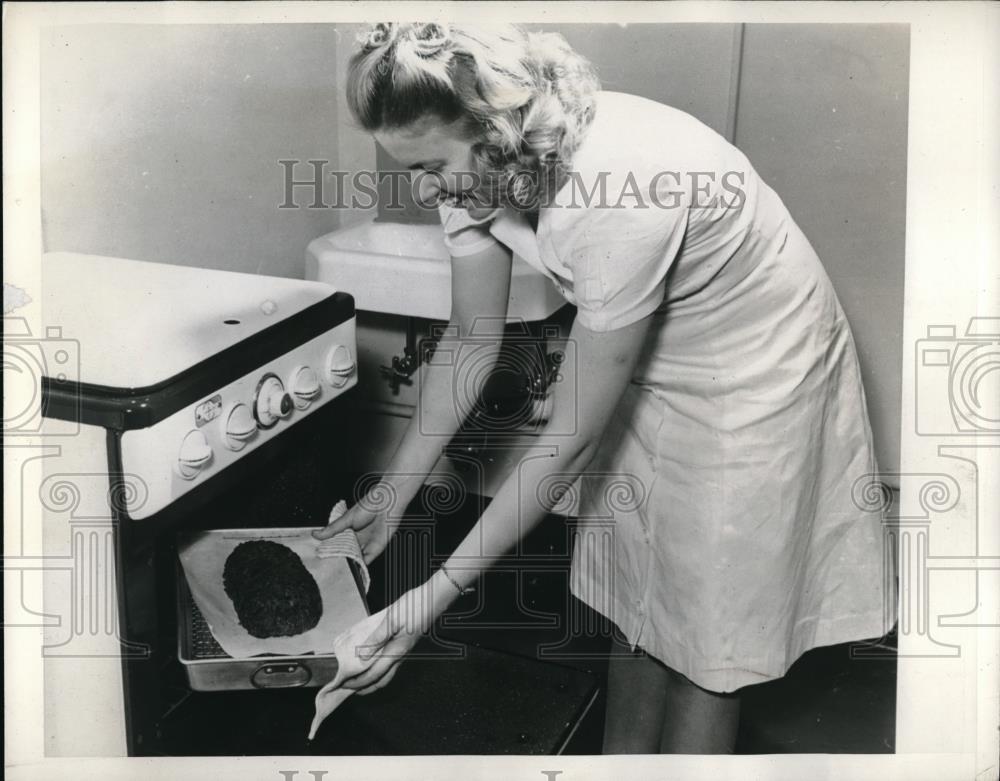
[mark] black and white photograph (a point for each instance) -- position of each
(530, 390)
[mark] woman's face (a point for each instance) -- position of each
(438, 154)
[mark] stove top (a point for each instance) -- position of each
(138, 324)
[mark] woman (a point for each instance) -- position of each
(716, 375)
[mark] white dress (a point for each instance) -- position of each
(722, 523)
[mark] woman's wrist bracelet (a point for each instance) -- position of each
(462, 591)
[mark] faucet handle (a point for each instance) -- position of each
(395, 375)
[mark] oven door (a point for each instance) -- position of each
(292, 481)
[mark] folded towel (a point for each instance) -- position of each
(347, 647)
(344, 543)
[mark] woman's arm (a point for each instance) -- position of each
(604, 364)
(480, 288)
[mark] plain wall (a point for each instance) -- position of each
(162, 142)
(355, 148)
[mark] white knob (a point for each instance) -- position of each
(280, 405)
(238, 426)
(272, 402)
(305, 386)
(195, 453)
(340, 366)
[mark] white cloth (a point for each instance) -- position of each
(346, 544)
(743, 432)
(347, 648)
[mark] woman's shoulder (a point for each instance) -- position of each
(635, 143)
(641, 124)
(632, 136)
(631, 142)
(625, 105)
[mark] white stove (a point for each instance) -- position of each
(175, 398)
(194, 367)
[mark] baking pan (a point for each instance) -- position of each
(209, 668)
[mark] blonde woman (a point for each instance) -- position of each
(714, 371)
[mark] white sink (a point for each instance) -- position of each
(406, 270)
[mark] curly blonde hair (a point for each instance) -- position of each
(526, 100)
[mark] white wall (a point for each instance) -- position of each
(355, 148)
(161, 142)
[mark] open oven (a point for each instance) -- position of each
(193, 400)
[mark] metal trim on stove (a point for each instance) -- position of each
(126, 409)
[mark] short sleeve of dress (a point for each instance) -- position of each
(620, 258)
(463, 234)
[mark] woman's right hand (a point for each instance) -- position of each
(369, 521)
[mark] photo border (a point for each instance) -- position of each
(946, 707)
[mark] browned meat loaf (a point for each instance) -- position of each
(272, 591)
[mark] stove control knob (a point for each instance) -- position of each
(340, 366)
(195, 453)
(280, 405)
(238, 426)
(305, 387)
(272, 403)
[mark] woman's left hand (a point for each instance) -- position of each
(406, 620)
